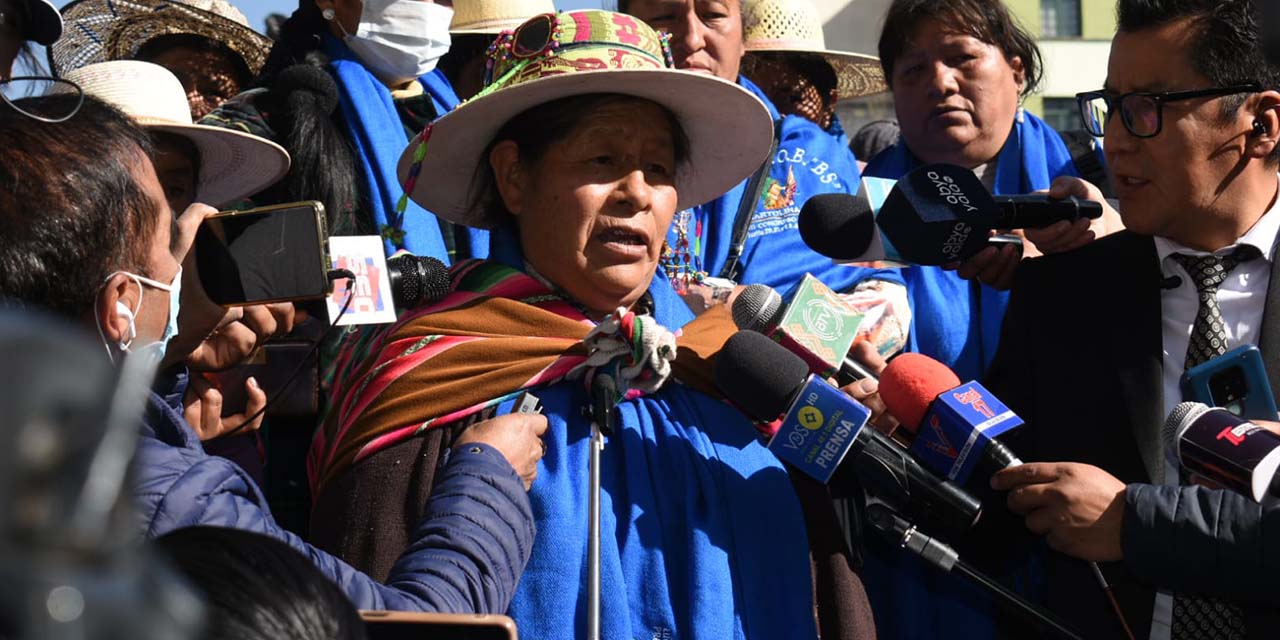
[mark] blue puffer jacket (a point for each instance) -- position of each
(467, 555)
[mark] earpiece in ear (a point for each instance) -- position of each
(1259, 127)
(125, 312)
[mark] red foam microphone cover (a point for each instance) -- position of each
(909, 385)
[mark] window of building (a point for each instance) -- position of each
(1060, 18)
(1061, 113)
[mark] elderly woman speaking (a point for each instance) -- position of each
(577, 155)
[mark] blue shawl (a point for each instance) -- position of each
(809, 161)
(958, 323)
(688, 488)
(378, 138)
(955, 321)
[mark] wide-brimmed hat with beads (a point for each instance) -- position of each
(102, 30)
(233, 165)
(491, 17)
(794, 26)
(555, 56)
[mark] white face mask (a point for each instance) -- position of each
(401, 40)
(174, 290)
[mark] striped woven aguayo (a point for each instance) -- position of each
(500, 331)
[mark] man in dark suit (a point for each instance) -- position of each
(1095, 340)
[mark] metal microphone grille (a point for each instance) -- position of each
(417, 280)
(756, 308)
(1181, 418)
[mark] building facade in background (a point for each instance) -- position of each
(1074, 37)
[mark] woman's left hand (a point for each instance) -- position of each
(993, 266)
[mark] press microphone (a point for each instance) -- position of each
(1229, 450)
(759, 308)
(1170, 283)
(934, 215)
(950, 425)
(417, 280)
(821, 427)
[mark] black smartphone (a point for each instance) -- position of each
(394, 625)
(269, 254)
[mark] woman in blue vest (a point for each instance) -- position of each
(958, 71)
(755, 239)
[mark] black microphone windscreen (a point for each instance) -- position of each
(757, 308)
(1181, 418)
(759, 375)
(838, 225)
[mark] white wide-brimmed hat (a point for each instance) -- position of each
(576, 53)
(102, 30)
(794, 26)
(233, 164)
(46, 22)
(491, 17)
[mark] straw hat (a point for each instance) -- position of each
(101, 30)
(491, 17)
(46, 24)
(588, 52)
(793, 26)
(233, 164)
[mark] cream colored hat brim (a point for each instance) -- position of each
(729, 130)
(858, 75)
(491, 17)
(233, 165)
(491, 28)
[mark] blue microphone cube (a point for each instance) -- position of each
(819, 429)
(959, 426)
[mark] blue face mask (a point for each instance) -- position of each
(171, 327)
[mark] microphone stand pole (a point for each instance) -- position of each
(603, 392)
(905, 534)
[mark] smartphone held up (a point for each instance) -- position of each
(269, 254)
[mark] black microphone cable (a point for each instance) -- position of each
(336, 274)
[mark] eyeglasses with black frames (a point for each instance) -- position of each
(1142, 112)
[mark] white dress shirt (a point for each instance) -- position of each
(1242, 298)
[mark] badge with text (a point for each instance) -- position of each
(819, 429)
(370, 294)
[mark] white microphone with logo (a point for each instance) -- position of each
(1224, 448)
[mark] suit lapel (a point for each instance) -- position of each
(1137, 345)
(1269, 336)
